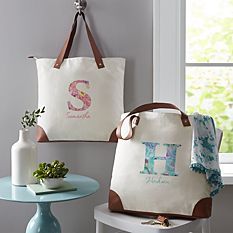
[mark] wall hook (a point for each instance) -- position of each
(80, 5)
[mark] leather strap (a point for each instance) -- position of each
(134, 120)
(68, 44)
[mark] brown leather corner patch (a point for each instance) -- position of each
(41, 135)
(203, 208)
(113, 137)
(114, 202)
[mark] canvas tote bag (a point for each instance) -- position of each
(83, 97)
(151, 173)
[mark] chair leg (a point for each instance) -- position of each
(99, 227)
(206, 226)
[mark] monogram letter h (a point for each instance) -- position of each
(151, 156)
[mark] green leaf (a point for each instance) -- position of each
(53, 170)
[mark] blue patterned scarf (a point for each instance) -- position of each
(204, 157)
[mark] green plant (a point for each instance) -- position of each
(30, 119)
(210, 88)
(54, 170)
(211, 94)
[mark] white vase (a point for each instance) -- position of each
(23, 160)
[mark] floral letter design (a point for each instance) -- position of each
(151, 156)
(84, 97)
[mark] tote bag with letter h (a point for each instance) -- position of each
(83, 97)
(151, 173)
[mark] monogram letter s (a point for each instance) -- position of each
(84, 97)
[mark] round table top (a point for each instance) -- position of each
(85, 187)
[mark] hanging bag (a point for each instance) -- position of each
(151, 173)
(83, 97)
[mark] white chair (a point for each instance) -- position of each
(124, 222)
(133, 224)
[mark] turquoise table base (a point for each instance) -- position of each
(43, 221)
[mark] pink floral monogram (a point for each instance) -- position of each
(81, 95)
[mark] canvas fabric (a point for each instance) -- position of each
(82, 102)
(151, 170)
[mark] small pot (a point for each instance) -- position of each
(52, 183)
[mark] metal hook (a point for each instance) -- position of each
(80, 5)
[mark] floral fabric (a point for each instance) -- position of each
(204, 158)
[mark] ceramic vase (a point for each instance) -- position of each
(23, 160)
(52, 183)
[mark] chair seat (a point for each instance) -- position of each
(133, 224)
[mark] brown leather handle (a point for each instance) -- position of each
(147, 107)
(68, 44)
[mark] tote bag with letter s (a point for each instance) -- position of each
(151, 173)
(83, 97)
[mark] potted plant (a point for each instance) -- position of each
(51, 175)
(24, 152)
